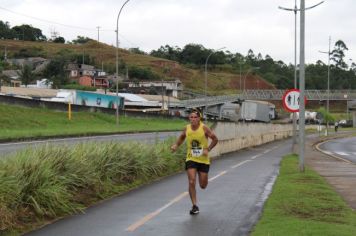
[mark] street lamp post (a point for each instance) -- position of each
(302, 10)
(117, 63)
(206, 80)
(302, 86)
(295, 10)
(328, 87)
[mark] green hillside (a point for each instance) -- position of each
(221, 80)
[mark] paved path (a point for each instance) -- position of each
(239, 185)
(339, 174)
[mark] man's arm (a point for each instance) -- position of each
(179, 141)
(214, 140)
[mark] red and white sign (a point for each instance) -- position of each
(291, 100)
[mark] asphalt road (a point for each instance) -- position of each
(7, 148)
(343, 148)
(239, 184)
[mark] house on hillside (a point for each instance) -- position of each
(13, 77)
(171, 88)
(76, 70)
(87, 75)
(97, 82)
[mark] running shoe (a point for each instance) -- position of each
(194, 210)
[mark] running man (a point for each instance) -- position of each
(197, 161)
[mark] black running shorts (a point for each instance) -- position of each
(196, 165)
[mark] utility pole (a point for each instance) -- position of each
(295, 10)
(5, 54)
(240, 77)
(302, 86)
(328, 87)
(117, 62)
(302, 10)
(83, 57)
(98, 27)
(162, 95)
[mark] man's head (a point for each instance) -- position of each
(194, 116)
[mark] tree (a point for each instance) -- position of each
(59, 40)
(167, 52)
(327, 117)
(137, 51)
(55, 72)
(5, 31)
(81, 40)
(194, 54)
(29, 33)
(26, 75)
(338, 54)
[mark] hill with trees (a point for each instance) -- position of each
(228, 72)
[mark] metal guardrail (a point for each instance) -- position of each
(310, 94)
(318, 95)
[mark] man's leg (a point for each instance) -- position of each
(203, 179)
(192, 172)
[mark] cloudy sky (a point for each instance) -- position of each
(238, 25)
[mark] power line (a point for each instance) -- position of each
(68, 26)
(51, 22)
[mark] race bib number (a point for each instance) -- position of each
(197, 152)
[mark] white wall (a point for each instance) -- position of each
(235, 136)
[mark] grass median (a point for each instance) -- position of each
(304, 204)
(41, 185)
(17, 122)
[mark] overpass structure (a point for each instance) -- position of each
(310, 94)
(270, 95)
(215, 103)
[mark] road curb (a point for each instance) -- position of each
(317, 146)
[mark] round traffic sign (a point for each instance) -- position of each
(291, 100)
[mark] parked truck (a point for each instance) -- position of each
(256, 111)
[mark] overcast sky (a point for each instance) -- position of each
(238, 25)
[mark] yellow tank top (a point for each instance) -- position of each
(196, 141)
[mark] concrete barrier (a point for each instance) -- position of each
(236, 136)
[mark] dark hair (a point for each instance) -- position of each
(196, 111)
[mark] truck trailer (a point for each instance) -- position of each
(256, 111)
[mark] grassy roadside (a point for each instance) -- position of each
(304, 204)
(38, 186)
(18, 122)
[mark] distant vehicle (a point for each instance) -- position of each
(256, 111)
(311, 117)
(345, 123)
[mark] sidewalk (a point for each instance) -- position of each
(339, 174)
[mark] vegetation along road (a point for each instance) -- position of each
(6, 148)
(239, 184)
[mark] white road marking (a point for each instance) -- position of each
(342, 153)
(239, 164)
(255, 156)
(218, 175)
(151, 215)
(148, 217)
(268, 150)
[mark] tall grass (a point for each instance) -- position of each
(37, 185)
